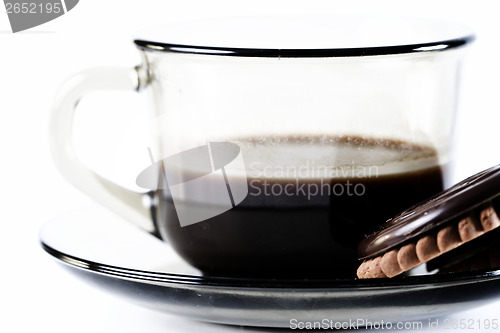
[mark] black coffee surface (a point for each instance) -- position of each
(311, 201)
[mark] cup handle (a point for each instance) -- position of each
(131, 205)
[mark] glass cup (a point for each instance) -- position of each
(280, 142)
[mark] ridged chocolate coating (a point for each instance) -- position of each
(435, 212)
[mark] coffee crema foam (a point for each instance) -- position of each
(328, 157)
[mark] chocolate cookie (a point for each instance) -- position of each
(463, 214)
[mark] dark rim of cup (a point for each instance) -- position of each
(148, 45)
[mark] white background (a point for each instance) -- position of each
(37, 294)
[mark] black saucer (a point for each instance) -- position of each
(104, 249)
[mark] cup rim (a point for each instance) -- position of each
(435, 46)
